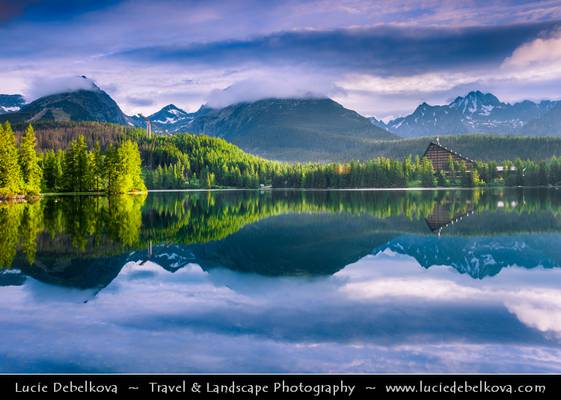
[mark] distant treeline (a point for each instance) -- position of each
(385, 172)
(477, 147)
(186, 161)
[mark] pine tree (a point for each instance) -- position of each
(111, 170)
(75, 166)
(11, 182)
(31, 171)
(52, 171)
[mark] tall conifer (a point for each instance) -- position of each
(11, 182)
(31, 171)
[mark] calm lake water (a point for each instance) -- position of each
(283, 281)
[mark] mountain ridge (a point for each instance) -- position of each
(92, 104)
(275, 128)
(478, 112)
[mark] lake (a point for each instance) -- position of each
(283, 281)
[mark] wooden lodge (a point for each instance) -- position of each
(439, 156)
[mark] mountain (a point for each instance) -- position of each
(294, 129)
(476, 112)
(171, 119)
(548, 124)
(428, 120)
(289, 129)
(11, 103)
(284, 129)
(80, 105)
(378, 122)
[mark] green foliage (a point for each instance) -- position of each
(10, 221)
(75, 167)
(52, 171)
(11, 180)
(31, 224)
(197, 161)
(117, 170)
(29, 162)
(190, 161)
(123, 169)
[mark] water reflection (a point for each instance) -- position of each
(283, 281)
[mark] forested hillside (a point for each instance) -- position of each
(93, 157)
(479, 147)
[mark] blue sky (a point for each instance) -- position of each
(380, 58)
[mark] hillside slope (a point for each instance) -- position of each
(80, 105)
(290, 129)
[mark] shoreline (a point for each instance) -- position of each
(23, 198)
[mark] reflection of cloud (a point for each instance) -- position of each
(383, 313)
(538, 309)
(428, 289)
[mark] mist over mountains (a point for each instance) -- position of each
(314, 128)
(85, 102)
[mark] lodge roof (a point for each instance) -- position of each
(437, 144)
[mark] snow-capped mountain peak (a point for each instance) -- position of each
(476, 102)
(170, 114)
(10, 103)
(476, 112)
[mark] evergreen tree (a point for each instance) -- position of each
(29, 162)
(11, 182)
(111, 170)
(52, 171)
(75, 166)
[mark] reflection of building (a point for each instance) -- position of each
(441, 217)
(440, 157)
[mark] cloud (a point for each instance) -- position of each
(540, 51)
(272, 86)
(384, 50)
(427, 82)
(44, 86)
(140, 101)
(393, 48)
